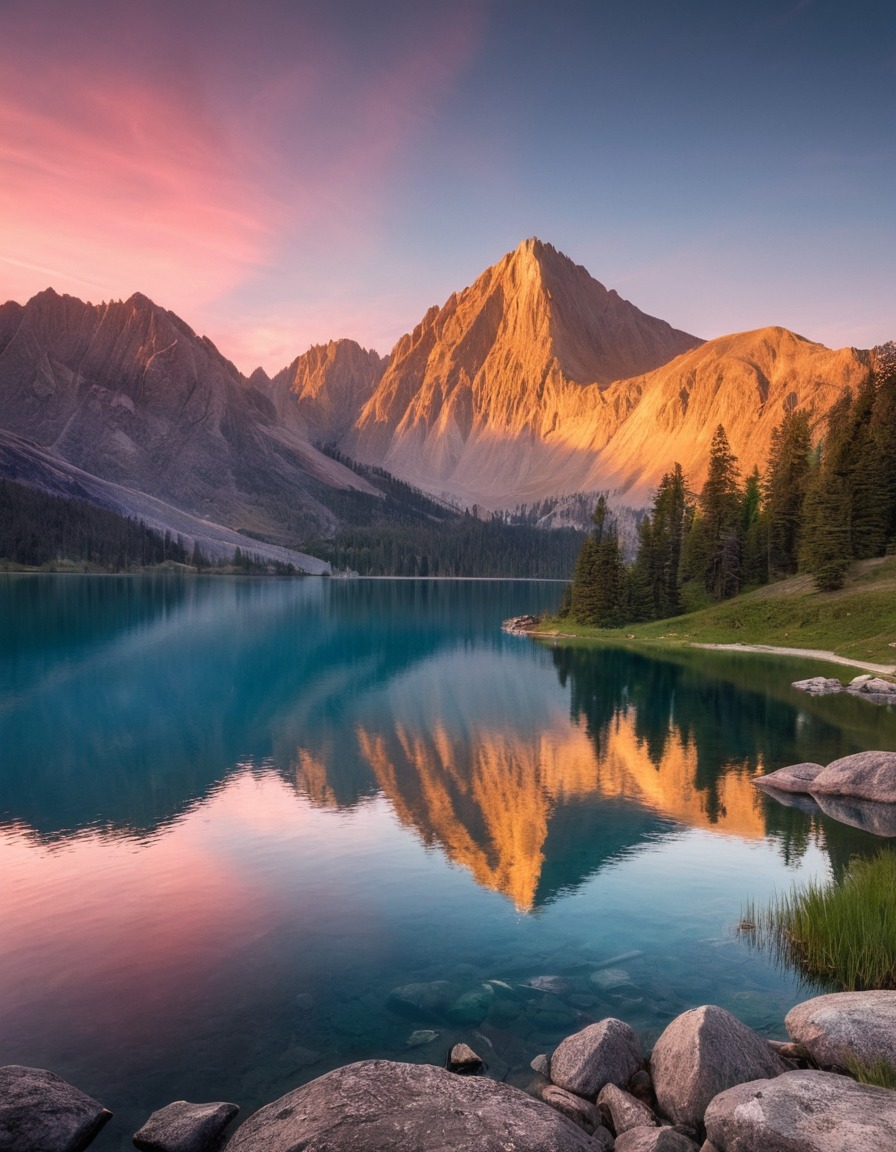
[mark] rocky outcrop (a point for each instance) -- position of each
(803, 1111)
(699, 1055)
(608, 1052)
(847, 1029)
(378, 1104)
(819, 685)
(185, 1127)
(872, 688)
(41, 1112)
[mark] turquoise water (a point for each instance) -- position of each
(237, 815)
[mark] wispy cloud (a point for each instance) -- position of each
(127, 170)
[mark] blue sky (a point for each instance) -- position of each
(282, 173)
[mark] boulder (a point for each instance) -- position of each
(184, 1127)
(581, 1112)
(608, 1052)
(878, 819)
(793, 778)
(701, 1053)
(803, 1111)
(846, 1027)
(654, 1140)
(41, 1112)
(464, 1061)
(819, 685)
(623, 1110)
(541, 1064)
(864, 775)
(874, 686)
(377, 1104)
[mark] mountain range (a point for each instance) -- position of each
(534, 381)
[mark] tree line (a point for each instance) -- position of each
(464, 545)
(37, 528)
(815, 509)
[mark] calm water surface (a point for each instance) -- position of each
(237, 815)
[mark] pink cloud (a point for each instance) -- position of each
(207, 179)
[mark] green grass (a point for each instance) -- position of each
(881, 1072)
(841, 934)
(858, 621)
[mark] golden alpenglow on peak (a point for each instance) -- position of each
(471, 398)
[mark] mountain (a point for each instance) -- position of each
(128, 394)
(324, 389)
(472, 395)
(536, 380)
(745, 382)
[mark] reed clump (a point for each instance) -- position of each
(841, 934)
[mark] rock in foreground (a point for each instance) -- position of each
(605, 1053)
(803, 1112)
(379, 1104)
(185, 1127)
(41, 1112)
(846, 1028)
(701, 1053)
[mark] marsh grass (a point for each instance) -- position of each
(881, 1072)
(840, 934)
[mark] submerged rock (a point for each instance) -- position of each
(420, 1037)
(185, 1127)
(701, 1053)
(605, 1053)
(41, 1112)
(424, 1001)
(471, 1008)
(378, 1104)
(844, 1028)
(803, 1111)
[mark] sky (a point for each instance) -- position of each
(280, 173)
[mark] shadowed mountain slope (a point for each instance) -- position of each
(127, 392)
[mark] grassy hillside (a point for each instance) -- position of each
(858, 621)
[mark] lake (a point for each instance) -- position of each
(238, 817)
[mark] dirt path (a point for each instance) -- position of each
(812, 653)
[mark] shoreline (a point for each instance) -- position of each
(809, 653)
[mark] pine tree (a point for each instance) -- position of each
(720, 506)
(754, 529)
(827, 550)
(785, 491)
